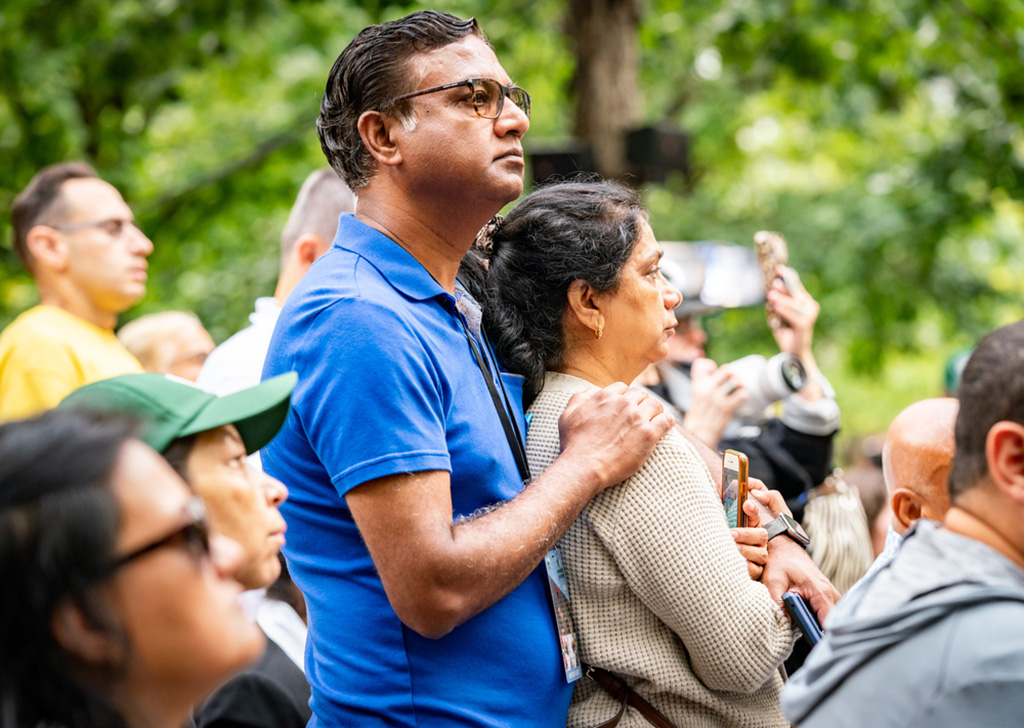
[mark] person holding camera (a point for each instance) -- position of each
(728, 406)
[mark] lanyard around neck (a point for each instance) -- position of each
(504, 409)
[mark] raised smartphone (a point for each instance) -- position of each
(802, 616)
(734, 487)
(772, 252)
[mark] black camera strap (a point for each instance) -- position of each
(504, 409)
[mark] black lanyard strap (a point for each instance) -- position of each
(511, 428)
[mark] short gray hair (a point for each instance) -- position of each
(322, 198)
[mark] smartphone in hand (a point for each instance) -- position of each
(802, 617)
(772, 252)
(734, 487)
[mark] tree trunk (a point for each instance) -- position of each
(605, 35)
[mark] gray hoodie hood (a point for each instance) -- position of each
(936, 572)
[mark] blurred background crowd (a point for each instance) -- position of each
(882, 138)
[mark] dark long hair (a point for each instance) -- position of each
(59, 521)
(559, 234)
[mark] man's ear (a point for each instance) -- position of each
(906, 508)
(1004, 450)
(308, 248)
(77, 636)
(376, 131)
(584, 306)
(47, 248)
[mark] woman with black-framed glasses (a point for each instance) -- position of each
(207, 439)
(117, 607)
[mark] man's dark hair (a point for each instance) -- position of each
(559, 234)
(369, 74)
(991, 390)
(59, 521)
(42, 201)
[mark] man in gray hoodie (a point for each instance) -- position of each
(936, 638)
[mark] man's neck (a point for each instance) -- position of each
(962, 520)
(438, 244)
(289, 278)
(72, 301)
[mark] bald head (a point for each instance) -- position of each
(916, 460)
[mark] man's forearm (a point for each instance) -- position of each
(436, 574)
(504, 545)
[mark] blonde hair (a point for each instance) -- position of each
(151, 338)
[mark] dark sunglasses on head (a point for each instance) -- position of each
(194, 535)
(488, 96)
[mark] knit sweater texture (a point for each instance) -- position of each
(659, 593)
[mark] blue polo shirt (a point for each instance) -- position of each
(388, 384)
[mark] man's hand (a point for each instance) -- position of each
(789, 567)
(612, 431)
(437, 575)
(797, 308)
(715, 395)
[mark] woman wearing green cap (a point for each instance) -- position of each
(207, 439)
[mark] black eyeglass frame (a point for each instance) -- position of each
(195, 531)
(506, 92)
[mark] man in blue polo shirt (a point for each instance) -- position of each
(427, 602)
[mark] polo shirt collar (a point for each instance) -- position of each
(394, 262)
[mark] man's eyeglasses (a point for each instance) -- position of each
(115, 227)
(488, 96)
(194, 535)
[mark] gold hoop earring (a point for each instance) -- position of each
(600, 332)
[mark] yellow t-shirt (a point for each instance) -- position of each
(47, 352)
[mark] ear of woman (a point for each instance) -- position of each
(82, 639)
(584, 310)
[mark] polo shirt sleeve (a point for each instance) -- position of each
(371, 395)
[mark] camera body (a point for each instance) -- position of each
(766, 381)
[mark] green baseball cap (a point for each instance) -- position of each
(170, 408)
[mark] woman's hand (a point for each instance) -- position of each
(715, 395)
(763, 505)
(753, 546)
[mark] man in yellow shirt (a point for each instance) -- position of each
(78, 239)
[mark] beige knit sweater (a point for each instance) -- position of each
(660, 594)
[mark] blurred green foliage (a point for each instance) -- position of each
(884, 138)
